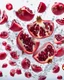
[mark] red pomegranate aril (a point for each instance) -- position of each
(56, 69)
(60, 21)
(18, 71)
(25, 63)
(3, 55)
(58, 37)
(36, 68)
(4, 43)
(63, 66)
(12, 63)
(59, 77)
(14, 54)
(1, 74)
(41, 7)
(4, 34)
(12, 72)
(28, 74)
(42, 77)
(4, 65)
(9, 6)
(8, 47)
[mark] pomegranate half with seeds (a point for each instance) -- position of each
(25, 14)
(41, 28)
(45, 54)
(26, 43)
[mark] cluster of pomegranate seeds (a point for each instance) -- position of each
(9, 6)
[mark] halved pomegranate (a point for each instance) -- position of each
(25, 14)
(58, 8)
(60, 21)
(59, 39)
(41, 28)
(45, 54)
(4, 18)
(36, 68)
(15, 26)
(60, 52)
(27, 44)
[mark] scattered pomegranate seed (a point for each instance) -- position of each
(4, 34)
(3, 55)
(9, 6)
(18, 71)
(8, 47)
(1, 74)
(59, 77)
(63, 66)
(42, 77)
(12, 72)
(4, 65)
(12, 63)
(28, 74)
(4, 43)
(56, 69)
(25, 63)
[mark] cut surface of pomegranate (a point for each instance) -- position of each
(26, 43)
(15, 26)
(41, 7)
(41, 28)
(36, 68)
(45, 54)
(60, 21)
(25, 63)
(25, 14)
(58, 8)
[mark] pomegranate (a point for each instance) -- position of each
(25, 14)
(59, 77)
(42, 77)
(18, 71)
(27, 44)
(4, 18)
(41, 7)
(28, 74)
(56, 69)
(4, 65)
(15, 26)
(9, 6)
(59, 52)
(58, 8)
(45, 54)
(1, 74)
(25, 63)
(3, 55)
(14, 55)
(58, 39)
(60, 21)
(36, 68)
(41, 28)
(12, 63)
(12, 72)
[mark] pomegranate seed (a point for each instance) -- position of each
(58, 37)
(12, 63)
(3, 55)
(28, 74)
(41, 77)
(56, 69)
(9, 6)
(4, 34)
(18, 71)
(14, 55)
(12, 72)
(8, 47)
(1, 74)
(63, 66)
(59, 77)
(4, 65)
(25, 63)
(4, 43)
